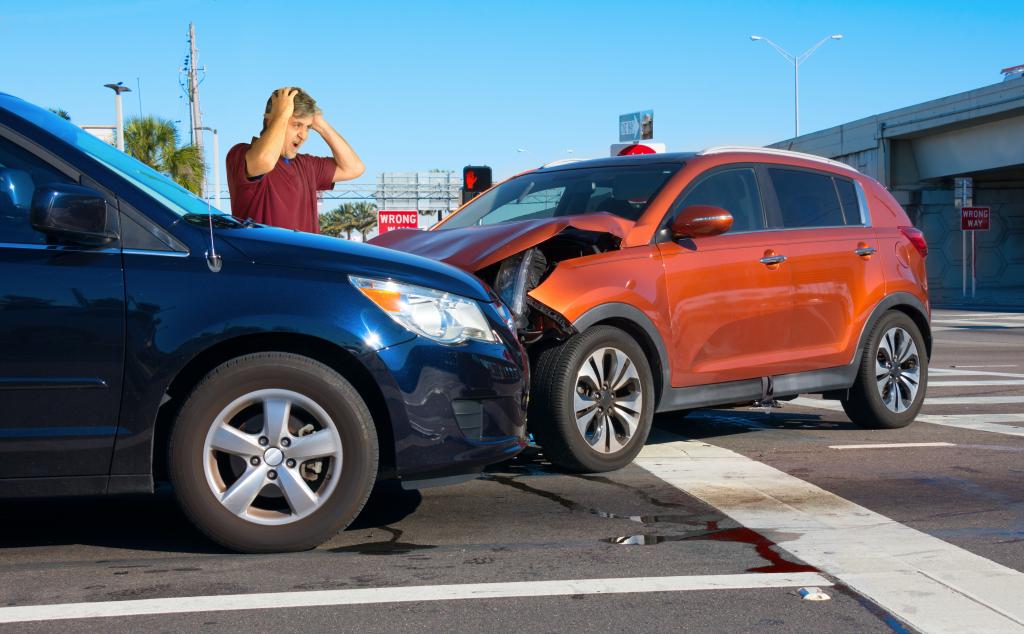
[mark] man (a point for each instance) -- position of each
(270, 181)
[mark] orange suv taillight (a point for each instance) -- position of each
(916, 238)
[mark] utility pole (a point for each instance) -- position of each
(192, 70)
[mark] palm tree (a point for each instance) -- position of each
(154, 141)
(62, 113)
(364, 216)
(336, 221)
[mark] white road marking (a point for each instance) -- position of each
(894, 445)
(972, 400)
(974, 383)
(401, 594)
(928, 583)
(976, 422)
(947, 315)
(978, 324)
(1007, 365)
(960, 372)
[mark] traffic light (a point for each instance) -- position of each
(475, 179)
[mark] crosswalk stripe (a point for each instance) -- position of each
(974, 383)
(978, 324)
(930, 584)
(964, 372)
(994, 423)
(972, 400)
(401, 594)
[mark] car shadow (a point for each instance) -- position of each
(388, 503)
(129, 522)
(711, 423)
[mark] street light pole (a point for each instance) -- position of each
(216, 164)
(119, 88)
(796, 60)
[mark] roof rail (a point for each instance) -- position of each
(774, 152)
(564, 161)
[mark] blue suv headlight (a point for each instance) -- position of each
(430, 313)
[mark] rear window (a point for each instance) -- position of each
(622, 190)
(811, 199)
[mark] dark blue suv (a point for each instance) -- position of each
(271, 376)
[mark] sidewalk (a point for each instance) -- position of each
(1009, 298)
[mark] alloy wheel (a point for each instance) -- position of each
(272, 457)
(608, 400)
(897, 370)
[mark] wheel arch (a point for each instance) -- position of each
(338, 359)
(639, 326)
(905, 303)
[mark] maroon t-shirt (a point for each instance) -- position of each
(283, 197)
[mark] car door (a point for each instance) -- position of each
(837, 273)
(728, 295)
(62, 332)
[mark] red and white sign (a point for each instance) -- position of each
(388, 219)
(629, 149)
(975, 218)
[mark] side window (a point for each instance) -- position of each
(848, 198)
(21, 172)
(807, 199)
(735, 191)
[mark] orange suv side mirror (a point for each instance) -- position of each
(701, 221)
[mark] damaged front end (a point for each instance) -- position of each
(515, 258)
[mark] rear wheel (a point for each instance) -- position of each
(893, 375)
(592, 401)
(273, 452)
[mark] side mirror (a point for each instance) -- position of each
(701, 221)
(73, 213)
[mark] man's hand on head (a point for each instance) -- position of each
(319, 123)
(282, 103)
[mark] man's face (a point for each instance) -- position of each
(295, 135)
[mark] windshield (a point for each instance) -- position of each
(623, 190)
(172, 195)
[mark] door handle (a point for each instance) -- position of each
(773, 259)
(865, 251)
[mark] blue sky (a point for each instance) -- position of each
(421, 85)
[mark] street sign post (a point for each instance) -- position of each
(636, 126)
(388, 219)
(973, 219)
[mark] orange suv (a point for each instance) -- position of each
(668, 282)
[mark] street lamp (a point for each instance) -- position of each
(216, 165)
(119, 88)
(796, 60)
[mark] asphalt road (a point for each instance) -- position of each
(721, 521)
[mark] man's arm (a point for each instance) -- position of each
(347, 163)
(263, 153)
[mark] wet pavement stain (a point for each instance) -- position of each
(764, 547)
(710, 527)
(391, 547)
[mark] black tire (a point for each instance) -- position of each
(552, 414)
(866, 405)
(197, 468)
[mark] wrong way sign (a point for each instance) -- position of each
(975, 218)
(388, 219)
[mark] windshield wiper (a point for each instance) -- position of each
(222, 221)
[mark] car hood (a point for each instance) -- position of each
(477, 247)
(280, 247)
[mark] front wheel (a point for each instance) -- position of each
(893, 375)
(592, 401)
(273, 452)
